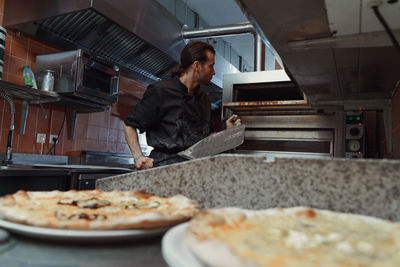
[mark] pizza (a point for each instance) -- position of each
(288, 237)
(96, 210)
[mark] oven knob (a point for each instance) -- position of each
(354, 145)
(354, 131)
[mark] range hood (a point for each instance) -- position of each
(337, 51)
(141, 37)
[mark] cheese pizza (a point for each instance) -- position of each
(287, 237)
(96, 210)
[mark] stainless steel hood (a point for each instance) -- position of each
(139, 36)
(336, 51)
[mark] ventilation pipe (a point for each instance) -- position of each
(232, 29)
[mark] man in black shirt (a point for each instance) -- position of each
(175, 114)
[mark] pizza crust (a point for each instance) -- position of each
(287, 237)
(214, 253)
(116, 209)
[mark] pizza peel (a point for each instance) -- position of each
(212, 144)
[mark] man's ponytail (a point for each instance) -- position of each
(178, 70)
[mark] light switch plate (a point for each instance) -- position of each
(41, 138)
(52, 136)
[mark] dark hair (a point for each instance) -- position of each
(193, 51)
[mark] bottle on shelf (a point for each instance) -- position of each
(29, 77)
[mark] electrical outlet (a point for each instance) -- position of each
(41, 138)
(52, 136)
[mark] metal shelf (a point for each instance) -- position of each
(35, 96)
(28, 94)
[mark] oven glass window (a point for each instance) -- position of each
(97, 80)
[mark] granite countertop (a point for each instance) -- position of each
(363, 186)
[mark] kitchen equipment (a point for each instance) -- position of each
(212, 144)
(123, 31)
(215, 143)
(81, 75)
(83, 177)
(45, 80)
(333, 60)
(355, 134)
(111, 164)
(279, 119)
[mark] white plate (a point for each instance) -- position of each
(79, 235)
(175, 250)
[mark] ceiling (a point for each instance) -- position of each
(355, 16)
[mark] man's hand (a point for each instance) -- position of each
(144, 163)
(233, 121)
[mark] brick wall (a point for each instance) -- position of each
(100, 131)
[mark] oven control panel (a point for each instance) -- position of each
(355, 134)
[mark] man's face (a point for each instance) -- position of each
(206, 70)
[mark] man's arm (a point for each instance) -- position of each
(132, 139)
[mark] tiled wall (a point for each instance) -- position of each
(100, 131)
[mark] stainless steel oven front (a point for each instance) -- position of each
(279, 119)
(82, 75)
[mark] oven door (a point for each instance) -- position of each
(97, 82)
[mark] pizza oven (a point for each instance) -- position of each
(279, 119)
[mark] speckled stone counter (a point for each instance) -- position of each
(370, 187)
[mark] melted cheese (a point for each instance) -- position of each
(304, 239)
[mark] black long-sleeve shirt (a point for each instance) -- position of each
(172, 119)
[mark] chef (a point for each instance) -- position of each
(175, 113)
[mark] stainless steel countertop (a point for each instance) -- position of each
(47, 169)
(22, 251)
(29, 170)
(45, 178)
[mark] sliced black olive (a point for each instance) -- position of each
(83, 216)
(91, 206)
